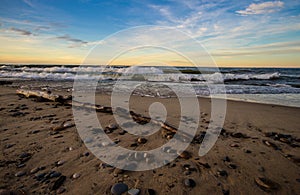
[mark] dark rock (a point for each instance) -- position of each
(261, 169)
(119, 188)
(141, 140)
(8, 146)
(232, 166)
(204, 163)
(24, 155)
(20, 174)
(226, 159)
(234, 145)
(55, 174)
(225, 192)
(189, 183)
(58, 182)
(122, 132)
(239, 135)
(222, 173)
(150, 192)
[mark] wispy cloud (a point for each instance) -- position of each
(262, 8)
(20, 31)
(74, 42)
(29, 3)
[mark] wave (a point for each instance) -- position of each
(154, 74)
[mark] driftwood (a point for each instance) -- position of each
(41, 95)
(67, 100)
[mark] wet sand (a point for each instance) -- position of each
(258, 151)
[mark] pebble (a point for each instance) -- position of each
(61, 162)
(76, 175)
(189, 183)
(141, 140)
(234, 145)
(261, 169)
(150, 192)
(20, 173)
(225, 192)
(247, 151)
(119, 188)
(60, 190)
(232, 166)
(21, 165)
(204, 163)
(58, 182)
(34, 170)
(9, 146)
(24, 155)
(55, 174)
(222, 173)
(239, 135)
(184, 154)
(133, 191)
(226, 159)
(165, 149)
(122, 132)
(112, 126)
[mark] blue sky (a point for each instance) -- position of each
(236, 33)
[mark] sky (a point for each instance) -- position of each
(235, 33)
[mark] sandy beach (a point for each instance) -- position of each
(258, 151)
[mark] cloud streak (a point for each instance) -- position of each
(20, 31)
(262, 8)
(74, 42)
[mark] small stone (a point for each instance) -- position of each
(105, 144)
(184, 154)
(34, 170)
(232, 166)
(133, 191)
(150, 192)
(204, 163)
(165, 149)
(112, 126)
(20, 165)
(20, 174)
(189, 183)
(8, 146)
(225, 192)
(261, 169)
(60, 190)
(122, 132)
(141, 140)
(226, 159)
(76, 175)
(61, 162)
(58, 182)
(222, 173)
(239, 135)
(247, 151)
(24, 155)
(234, 145)
(187, 172)
(119, 188)
(55, 174)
